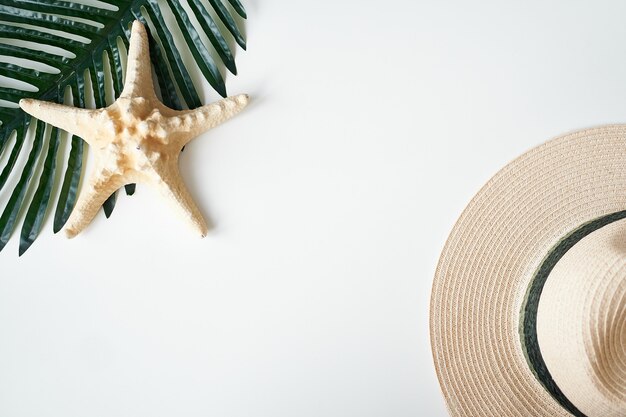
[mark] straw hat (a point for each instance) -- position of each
(528, 310)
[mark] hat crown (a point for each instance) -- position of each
(581, 322)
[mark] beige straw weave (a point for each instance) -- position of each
(489, 261)
(582, 322)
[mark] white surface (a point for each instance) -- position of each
(373, 124)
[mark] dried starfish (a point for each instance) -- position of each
(137, 139)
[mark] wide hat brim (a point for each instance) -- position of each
(493, 256)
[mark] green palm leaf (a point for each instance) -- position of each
(34, 30)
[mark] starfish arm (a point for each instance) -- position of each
(74, 120)
(171, 186)
(188, 124)
(89, 202)
(138, 80)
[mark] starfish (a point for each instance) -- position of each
(137, 139)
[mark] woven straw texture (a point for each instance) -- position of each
(581, 322)
(489, 260)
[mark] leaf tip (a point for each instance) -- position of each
(231, 67)
(221, 89)
(24, 245)
(59, 222)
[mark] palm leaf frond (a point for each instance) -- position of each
(81, 44)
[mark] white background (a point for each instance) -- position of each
(371, 126)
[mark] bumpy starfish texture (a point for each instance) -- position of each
(137, 139)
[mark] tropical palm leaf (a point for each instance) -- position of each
(33, 30)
